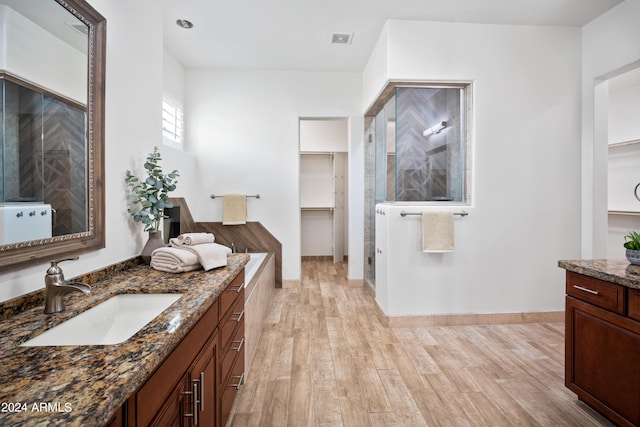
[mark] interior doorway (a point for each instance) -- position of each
(623, 165)
(323, 187)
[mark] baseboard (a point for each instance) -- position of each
(290, 284)
(356, 283)
(468, 319)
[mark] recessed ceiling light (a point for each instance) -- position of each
(183, 23)
(341, 38)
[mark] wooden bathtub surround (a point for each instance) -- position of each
(258, 294)
(324, 358)
(251, 235)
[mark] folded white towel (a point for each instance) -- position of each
(190, 239)
(437, 232)
(172, 268)
(174, 260)
(210, 255)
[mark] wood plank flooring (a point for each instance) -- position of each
(324, 359)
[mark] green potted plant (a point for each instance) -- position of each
(632, 243)
(149, 199)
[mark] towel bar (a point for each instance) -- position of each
(403, 213)
(257, 196)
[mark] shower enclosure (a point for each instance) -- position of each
(417, 151)
(42, 157)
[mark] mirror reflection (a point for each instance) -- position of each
(43, 117)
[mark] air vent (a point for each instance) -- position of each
(341, 38)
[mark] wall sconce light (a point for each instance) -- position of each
(435, 129)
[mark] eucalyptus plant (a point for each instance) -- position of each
(632, 241)
(150, 197)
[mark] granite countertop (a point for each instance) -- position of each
(612, 270)
(85, 385)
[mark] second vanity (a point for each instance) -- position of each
(186, 365)
(602, 339)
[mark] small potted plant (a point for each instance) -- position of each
(632, 243)
(150, 197)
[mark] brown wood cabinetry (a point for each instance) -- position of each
(186, 389)
(231, 344)
(602, 363)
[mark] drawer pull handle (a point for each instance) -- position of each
(194, 402)
(586, 290)
(201, 381)
(240, 344)
(240, 316)
(239, 383)
(238, 288)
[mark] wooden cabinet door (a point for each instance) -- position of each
(204, 374)
(603, 360)
(172, 413)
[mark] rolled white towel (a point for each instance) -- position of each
(174, 260)
(190, 239)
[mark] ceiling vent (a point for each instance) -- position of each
(341, 38)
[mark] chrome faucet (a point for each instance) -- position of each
(233, 247)
(56, 287)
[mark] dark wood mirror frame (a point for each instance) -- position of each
(23, 254)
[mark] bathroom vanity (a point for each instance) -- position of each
(602, 339)
(183, 368)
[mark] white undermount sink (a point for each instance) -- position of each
(110, 322)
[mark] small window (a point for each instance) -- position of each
(421, 147)
(172, 122)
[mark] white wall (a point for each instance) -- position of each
(243, 128)
(526, 168)
(624, 107)
(609, 48)
(324, 135)
(35, 55)
(133, 119)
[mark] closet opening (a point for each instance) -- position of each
(323, 188)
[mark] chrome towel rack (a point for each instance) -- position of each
(257, 196)
(462, 213)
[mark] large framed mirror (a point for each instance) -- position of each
(52, 82)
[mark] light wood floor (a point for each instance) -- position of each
(324, 359)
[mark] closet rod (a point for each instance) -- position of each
(403, 213)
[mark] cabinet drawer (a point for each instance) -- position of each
(232, 353)
(234, 291)
(597, 292)
(230, 389)
(634, 304)
(229, 324)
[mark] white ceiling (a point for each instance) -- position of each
(294, 34)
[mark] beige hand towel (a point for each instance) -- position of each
(234, 209)
(174, 260)
(437, 232)
(210, 255)
(193, 239)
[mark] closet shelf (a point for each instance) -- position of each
(624, 143)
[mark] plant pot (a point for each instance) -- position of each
(633, 256)
(153, 242)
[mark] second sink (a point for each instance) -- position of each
(110, 322)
